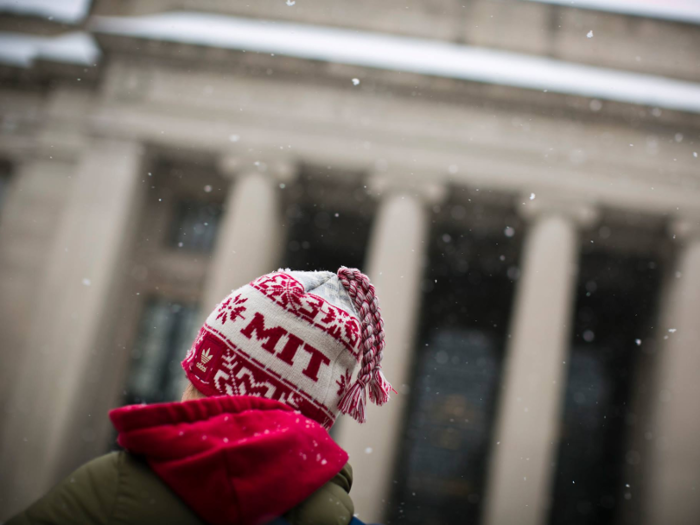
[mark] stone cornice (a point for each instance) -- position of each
(430, 190)
(629, 186)
(685, 229)
(283, 169)
(583, 214)
(452, 90)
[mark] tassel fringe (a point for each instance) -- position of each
(353, 402)
(379, 388)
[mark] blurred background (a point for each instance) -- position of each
(519, 178)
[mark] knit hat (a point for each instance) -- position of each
(296, 337)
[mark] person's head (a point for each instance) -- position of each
(295, 337)
(191, 393)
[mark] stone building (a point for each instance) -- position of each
(520, 179)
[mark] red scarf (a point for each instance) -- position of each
(233, 460)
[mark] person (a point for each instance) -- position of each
(268, 374)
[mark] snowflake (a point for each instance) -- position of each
(232, 308)
(344, 382)
(288, 294)
(331, 315)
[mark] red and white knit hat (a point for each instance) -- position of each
(296, 337)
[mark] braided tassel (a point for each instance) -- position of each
(379, 387)
(354, 401)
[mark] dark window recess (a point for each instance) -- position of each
(165, 333)
(324, 239)
(4, 181)
(466, 306)
(614, 308)
(195, 225)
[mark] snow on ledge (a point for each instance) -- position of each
(69, 11)
(687, 11)
(398, 53)
(21, 49)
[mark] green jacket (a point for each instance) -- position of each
(120, 488)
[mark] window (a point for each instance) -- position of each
(195, 225)
(449, 425)
(178, 223)
(166, 330)
(595, 467)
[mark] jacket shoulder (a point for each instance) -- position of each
(329, 505)
(114, 489)
(145, 499)
(85, 496)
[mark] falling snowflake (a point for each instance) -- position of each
(290, 3)
(343, 382)
(595, 105)
(355, 81)
(589, 34)
(532, 196)
(232, 308)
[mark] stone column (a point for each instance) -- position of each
(29, 216)
(673, 489)
(395, 264)
(249, 243)
(71, 310)
(528, 419)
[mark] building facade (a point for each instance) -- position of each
(525, 197)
